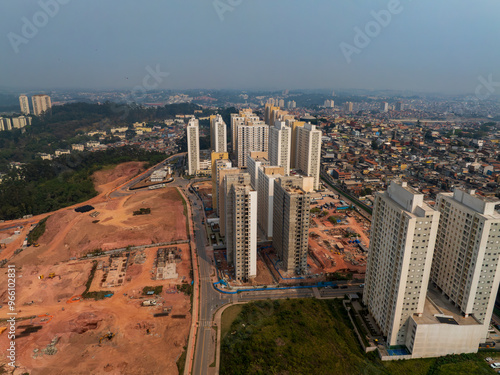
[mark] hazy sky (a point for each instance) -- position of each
(427, 45)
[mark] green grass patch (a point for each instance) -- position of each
(155, 289)
(185, 212)
(37, 231)
(308, 336)
(228, 317)
(96, 295)
(181, 362)
(215, 356)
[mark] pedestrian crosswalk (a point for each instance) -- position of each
(205, 323)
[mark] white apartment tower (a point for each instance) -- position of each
(5, 123)
(309, 151)
(230, 177)
(291, 218)
(242, 249)
(218, 135)
(220, 165)
(25, 104)
(255, 160)
(265, 193)
(403, 234)
(224, 185)
(280, 142)
(244, 117)
(193, 146)
(41, 103)
(250, 137)
(466, 258)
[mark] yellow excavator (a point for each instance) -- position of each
(108, 336)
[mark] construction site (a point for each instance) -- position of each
(80, 311)
(338, 246)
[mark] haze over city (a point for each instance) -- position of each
(206, 187)
(422, 46)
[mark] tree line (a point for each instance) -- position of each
(42, 186)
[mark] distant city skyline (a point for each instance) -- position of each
(259, 45)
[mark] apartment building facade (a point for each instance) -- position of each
(309, 151)
(193, 146)
(291, 221)
(403, 235)
(280, 142)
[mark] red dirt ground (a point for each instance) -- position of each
(79, 325)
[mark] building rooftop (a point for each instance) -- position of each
(439, 310)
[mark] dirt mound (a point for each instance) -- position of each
(84, 322)
(112, 177)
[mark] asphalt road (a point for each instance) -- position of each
(210, 299)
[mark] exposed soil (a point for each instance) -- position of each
(141, 343)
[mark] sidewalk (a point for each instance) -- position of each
(196, 290)
(217, 322)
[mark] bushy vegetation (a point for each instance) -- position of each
(37, 231)
(95, 295)
(67, 124)
(181, 362)
(43, 185)
(185, 288)
(142, 211)
(307, 336)
(333, 219)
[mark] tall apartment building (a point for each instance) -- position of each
(193, 146)
(243, 117)
(402, 240)
(20, 122)
(400, 106)
(219, 160)
(348, 106)
(242, 248)
(5, 123)
(218, 135)
(466, 257)
(252, 136)
(268, 111)
(41, 104)
(291, 219)
(220, 165)
(309, 151)
(456, 248)
(295, 125)
(24, 104)
(329, 104)
(229, 177)
(255, 160)
(280, 142)
(265, 194)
